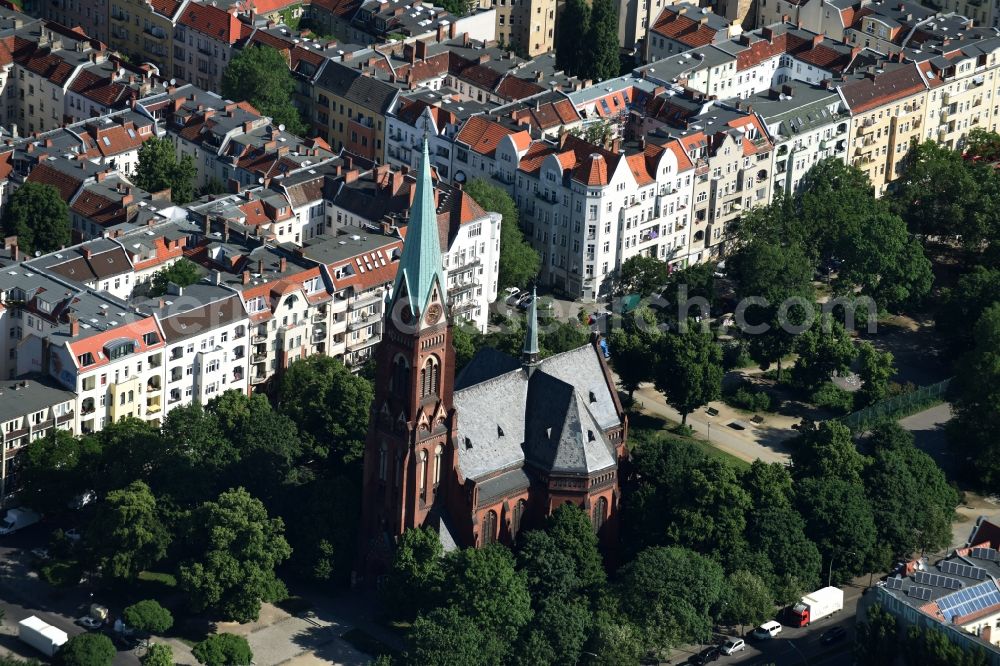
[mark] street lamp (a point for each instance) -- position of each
(829, 576)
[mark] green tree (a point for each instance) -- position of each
(447, 637)
(912, 502)
(932, 647)
(484, 584)
(561, 336)
(631, 357)
(549, 572)
(602, 42)
(840, 521)
(776, 531)
(158, 654)
(573, 23)
(747, 600)
(777, 281)
(573, 534)
(670, 593)
(38, 216)
(329, 404)
(519, 262)
(615, 639)
(556, 635)
(884, 262)
(53, 470)
(973, 433)
(182, 273)
(464, 339)
(237, 547)
(223, 650)
(415, 580)
(936, 192)
(975, 291)
(689, 370)
(875, 369)
(643, 275)
(983, 144)
(159, 169)
(828, 451)
(260, 75)
(822, 350)
(127, 536)
(876, 643)
(148, 617)
(203, 455)
(87, 650)
(325, 541)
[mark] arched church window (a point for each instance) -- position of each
(422, 472)
(489, 528)
(600, 513)
(430, 378)
(383, 461)
(518, 516)
(400, 375)
(438, 458)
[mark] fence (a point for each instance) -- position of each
(896, 407)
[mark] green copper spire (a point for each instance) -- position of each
(420, 263)
(529, 353)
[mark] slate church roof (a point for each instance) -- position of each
(551, 419)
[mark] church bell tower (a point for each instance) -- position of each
(408, 455)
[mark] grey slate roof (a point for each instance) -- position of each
(552, 419)
(353, 85)
(26, 396)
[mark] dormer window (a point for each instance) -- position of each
(119, 348)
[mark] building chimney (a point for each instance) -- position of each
(87, 253)
(282, 265)
(246, 277)
(74, 325)
(260, 266)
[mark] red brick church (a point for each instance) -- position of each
(490, 453)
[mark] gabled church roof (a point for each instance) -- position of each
(420, 265)
(552, 419)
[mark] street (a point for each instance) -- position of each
(800, 646)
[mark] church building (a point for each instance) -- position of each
(485, 455)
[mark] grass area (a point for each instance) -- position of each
(644, 427)
(365, 642)
(161, 577)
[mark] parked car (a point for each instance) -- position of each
(73, 534)
(525, 302)
(834, 635)
(706, 656)
(733, 645)
(513, 294)
(769, 629)
(88, 622)
(40, 553)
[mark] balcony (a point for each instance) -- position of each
(155, 32)
(462, 287)
(258, 358)
(153, 384)
(153, 405)
(318, 318)
(258, 339)
(258, 379)
(204, 50)
(362, 321)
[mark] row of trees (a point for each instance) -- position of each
(221, 495)
(587, 40)
(879, 642)
(98, 650)
(519, 262)
(703, 542)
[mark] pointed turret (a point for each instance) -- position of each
(529, 353)
(420, 264)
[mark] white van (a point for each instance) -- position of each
(767, 630)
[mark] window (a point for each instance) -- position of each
(430, 377)
(518, 516)
(600, 513)
(383, 454)
(438, 456)
(489, 528)
(422, 472)
(400, 376)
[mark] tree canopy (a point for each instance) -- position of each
(38, 216)
(159, 169)
(602, 41)
(519, 262)
(223, 650)
(573, 24)
(260, 75)
(87, 650)
(148, 616)
(182, 273)
(688, 370)
(128, 535)
(643, 275)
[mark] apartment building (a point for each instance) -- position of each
(203, 40)
(888, 109)
(528, 27)
(432, 115)
(30, 408)
(356, 106)
(806, 124)
(91, 16)
(683, 26)
(143, 30)
(206, 337)
(830, 18)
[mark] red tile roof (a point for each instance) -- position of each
(65, 183)
(876, 89)
(165, 7)
(212, 21)
(681, 28)
(482, 135)
(95, 343)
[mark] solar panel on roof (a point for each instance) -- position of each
(990, 554)
(919, 592)
(894, 583)
(970, 600)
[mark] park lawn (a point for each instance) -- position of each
(644, 427)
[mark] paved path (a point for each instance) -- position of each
(764, 442)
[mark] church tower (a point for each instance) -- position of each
(408, 455)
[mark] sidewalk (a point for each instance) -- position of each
(764, 442)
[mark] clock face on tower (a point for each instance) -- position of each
(433, 313)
